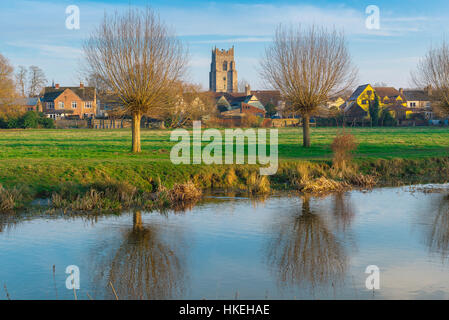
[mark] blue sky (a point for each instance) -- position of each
(34, 33)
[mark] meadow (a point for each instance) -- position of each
(114, 145)
(43, 160)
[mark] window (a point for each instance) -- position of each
(50, 105)
(88, 104)
(225, 66)
(61, 105)
(412, 104)
(74, 104)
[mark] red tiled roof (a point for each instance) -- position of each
(388, 92)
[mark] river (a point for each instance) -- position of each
(228, 247)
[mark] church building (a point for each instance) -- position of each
(223, 73)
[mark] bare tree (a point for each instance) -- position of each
(136, 56)
(94, 80)
(307, 66)
(7, 87)
(37, 81)
(433, 70)
(242, 85)
(185, 103)
(21, 80)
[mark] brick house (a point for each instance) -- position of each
(72, 102)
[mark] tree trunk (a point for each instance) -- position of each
(306, 131)
(136, 132)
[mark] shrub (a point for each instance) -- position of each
(343, 146)
(251, 121)
(28, 120)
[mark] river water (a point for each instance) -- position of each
(282, 247)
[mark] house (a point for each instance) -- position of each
(390, 96)
(75, 102)
(28, 104)
(235, 107)
(107, 104)
(335, 102)
(243, 110)
(356, 108)
(419, 101)
(245, 102)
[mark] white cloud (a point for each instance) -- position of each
(233, 40)
(60, 52)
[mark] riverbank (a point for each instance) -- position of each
(112, 185)
(94, 170)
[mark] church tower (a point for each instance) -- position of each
(223, 74)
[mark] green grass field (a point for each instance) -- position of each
(114, 145)
(43, 159)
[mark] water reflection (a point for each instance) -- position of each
(142, 266)
(283, 247)
(438, 234)
(306, 250)
(342, 211)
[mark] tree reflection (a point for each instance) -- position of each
(342, 211)
(305, 250)
(438, 238)
(143, 266)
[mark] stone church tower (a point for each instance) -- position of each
(223, 74)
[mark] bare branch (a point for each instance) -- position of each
(139, 59)
(308, 66)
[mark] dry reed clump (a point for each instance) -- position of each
(185, 192)
(257, 184)
(230, 178)
(99, 196)
(362, 180)
(323, 185)
(343, 146)
(10, 199)
(115, 196)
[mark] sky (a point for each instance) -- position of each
(34, 32)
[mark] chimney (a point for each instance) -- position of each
(81, 85)
(401, 91)
(429, 90)
(247, 90)
(57, 86)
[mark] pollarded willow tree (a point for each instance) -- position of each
(433, 71)
(139, 59)
(307, 66)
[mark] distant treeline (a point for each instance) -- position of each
(28, 120)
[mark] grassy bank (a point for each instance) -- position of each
(47, 163)
(386, 143)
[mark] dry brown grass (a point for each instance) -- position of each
(343, 146)
(362, 181)
(257, 184)
(324, 185)
(185, 192)
(10, 199)
(231, 178)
